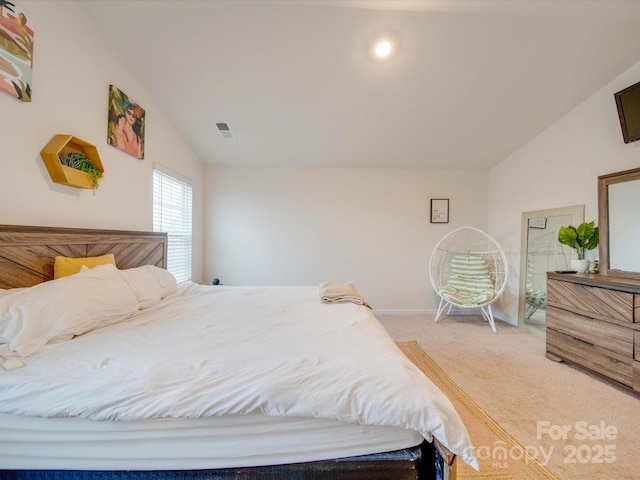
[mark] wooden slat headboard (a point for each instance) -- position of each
(27, 253)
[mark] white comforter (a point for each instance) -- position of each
(206, 351)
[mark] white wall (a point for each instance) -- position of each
(559, 168)
(73, 67)
(370, 226)
(303, 226)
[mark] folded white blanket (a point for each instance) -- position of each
(341, 293)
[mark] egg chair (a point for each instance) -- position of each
(468, 269)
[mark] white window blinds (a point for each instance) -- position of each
(172, 200)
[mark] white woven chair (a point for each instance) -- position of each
(468, 269)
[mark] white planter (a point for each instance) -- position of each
(579, 266)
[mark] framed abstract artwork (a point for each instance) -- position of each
(125, 123)
(16, 52)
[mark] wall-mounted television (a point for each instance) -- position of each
(628, 102)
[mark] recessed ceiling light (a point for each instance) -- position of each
(383, 49)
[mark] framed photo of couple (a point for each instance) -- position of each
(125, 123)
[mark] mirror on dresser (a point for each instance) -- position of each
(619, 222)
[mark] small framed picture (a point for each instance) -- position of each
(540, 222)
(439, 210)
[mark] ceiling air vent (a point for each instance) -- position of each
(224, 130)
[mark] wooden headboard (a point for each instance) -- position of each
(27, 253)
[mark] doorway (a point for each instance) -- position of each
(540, 253)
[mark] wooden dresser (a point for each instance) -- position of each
(593, 321)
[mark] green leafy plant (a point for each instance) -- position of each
(79, 161)
(585, 237)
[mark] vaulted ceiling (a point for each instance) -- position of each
(468, 83)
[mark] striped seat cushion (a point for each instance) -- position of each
(469, 283)
(536, 298)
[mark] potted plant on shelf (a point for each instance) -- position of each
(585, 237)
(79, 161)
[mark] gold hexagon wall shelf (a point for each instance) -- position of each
(66, 175)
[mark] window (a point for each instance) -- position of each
(172, 200)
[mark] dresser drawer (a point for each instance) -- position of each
(604, 362)
(595, 302)
(636, 345)
(611, 337)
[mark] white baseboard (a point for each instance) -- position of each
(454, 311)
(404, 312)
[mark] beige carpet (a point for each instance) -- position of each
(500, 455)
(508, 376)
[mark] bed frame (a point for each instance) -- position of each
(27, 255)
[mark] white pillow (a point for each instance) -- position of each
(8, 291)
(3, 293)
(57, 310)
(150, 284)
(166, 280)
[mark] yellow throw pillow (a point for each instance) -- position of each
(65, 266)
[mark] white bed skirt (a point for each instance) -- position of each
(182, 444)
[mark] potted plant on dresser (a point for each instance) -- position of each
(585, 236)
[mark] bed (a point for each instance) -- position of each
(203, 381)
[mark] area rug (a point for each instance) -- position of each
(500, 455)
